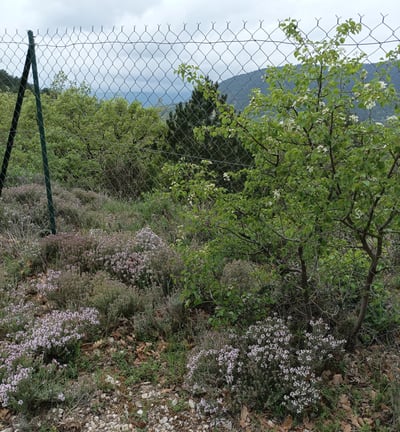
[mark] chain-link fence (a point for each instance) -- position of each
(139, 63)
(110, 94)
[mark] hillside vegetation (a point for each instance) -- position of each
(239, 88)
(257, 282)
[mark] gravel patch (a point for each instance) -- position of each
(147, 407)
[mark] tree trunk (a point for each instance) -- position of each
(365, 295)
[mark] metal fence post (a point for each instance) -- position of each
(40, 122)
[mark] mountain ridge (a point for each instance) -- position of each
(239, 88)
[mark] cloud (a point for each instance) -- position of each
(43, 14)
(22, 14)
(90, 12)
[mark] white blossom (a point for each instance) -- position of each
(370, 104)
(276, 193)
(226, 176)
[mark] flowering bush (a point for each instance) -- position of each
(51, 336)
(9, 384)
(128, 267)
(16, 316)
(40, 385)
(143, 260)
(265, 367)
(147, 240)
(47, 282)
(325, 177)
(28, 194)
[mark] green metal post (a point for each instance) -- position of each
(42, 133)
(14, 122)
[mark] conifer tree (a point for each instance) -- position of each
(226, 154)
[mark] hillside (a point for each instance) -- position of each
(10, 83)
(128, 370)
(239, 88)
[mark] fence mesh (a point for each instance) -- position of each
(109, 94)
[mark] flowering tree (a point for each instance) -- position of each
(325, 188)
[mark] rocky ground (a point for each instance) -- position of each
(366, 399)
(146, 407)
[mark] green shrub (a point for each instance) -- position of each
(67, 289)
(160, 212)
(25, 194)
(67, 249)
(162, 316)
(90, 199)
(48, 386)
(245, 295)
(382, 321)
(21, 256)
(114, 300)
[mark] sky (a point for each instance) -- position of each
(123, 63)
(44, 14)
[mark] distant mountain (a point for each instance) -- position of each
(239, 88)
(146, 98)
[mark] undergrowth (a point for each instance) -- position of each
(180, 311)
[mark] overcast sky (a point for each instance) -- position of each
(43, 14)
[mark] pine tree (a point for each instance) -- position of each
(226, 154)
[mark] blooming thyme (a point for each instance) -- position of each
(228, 361)
(263, 361)
(9, 385)
(127, 266)
(302, 393)
(17, 315)
(54, 330)
(195, 360)
(47, 282)
(58, 329)
(147, 240)
(319, 343)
